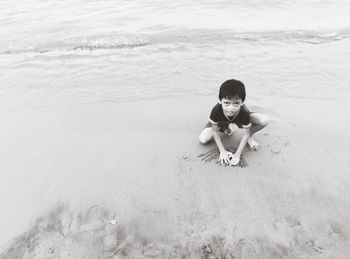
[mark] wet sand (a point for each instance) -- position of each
(128, 180)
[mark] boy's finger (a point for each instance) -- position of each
(222, 161)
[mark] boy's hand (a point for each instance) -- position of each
(228, 131)
(225, 157)
(235, 159)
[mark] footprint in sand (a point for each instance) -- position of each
(292, 221)
(337, 231)
(275, 152)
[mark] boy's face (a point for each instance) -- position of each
(230, 106)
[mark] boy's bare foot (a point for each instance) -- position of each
(253, 145)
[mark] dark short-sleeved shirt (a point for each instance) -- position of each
(217, 117)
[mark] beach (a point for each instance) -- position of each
(101, 106)
(143, 191)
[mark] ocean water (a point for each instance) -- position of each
(81, 51)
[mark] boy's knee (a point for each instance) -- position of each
(205, 136)
(264, 120)
(260, 119)
(204, 139)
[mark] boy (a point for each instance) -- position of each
(229, 111)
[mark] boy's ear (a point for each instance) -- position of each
(219, 101)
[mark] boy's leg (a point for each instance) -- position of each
(206, 135)
(259, 121)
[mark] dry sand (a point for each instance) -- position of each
(126, 180)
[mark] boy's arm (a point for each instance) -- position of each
(224, 154)
(217, 138)
(246, 124)
(237, 155)
(242, 143)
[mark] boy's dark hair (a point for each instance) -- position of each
(232, 88)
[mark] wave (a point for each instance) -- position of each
(313, 37)
(76, 44)
(206, 36)
(175, 37)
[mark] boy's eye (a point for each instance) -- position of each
(235, 103)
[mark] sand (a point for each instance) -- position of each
(127, 180)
